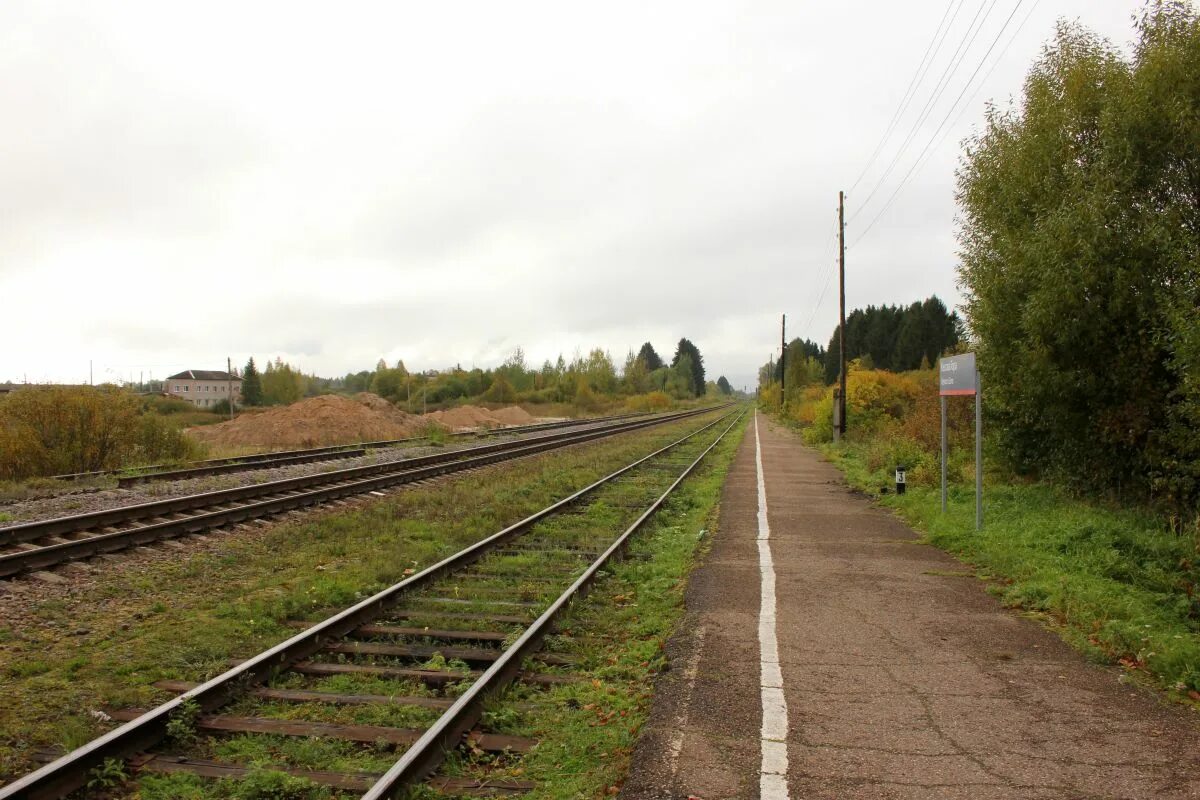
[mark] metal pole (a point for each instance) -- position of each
(978, 452)
(842, 309)
(944, 453)
(782, 360)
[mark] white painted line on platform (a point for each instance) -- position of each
(772, 784)
(690, 673)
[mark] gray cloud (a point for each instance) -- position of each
(394, 181)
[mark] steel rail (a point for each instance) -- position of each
(187, 469)
(69, 772)
(125, 481)
(28, 531)
(206, 462)
(50, 555)
(428, 752)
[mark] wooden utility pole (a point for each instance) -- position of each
(841, 428)
(229, 378)
(782, 359)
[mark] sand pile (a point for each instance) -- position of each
(476, 417)
(466, 417)
(325, 420)
(514, 415)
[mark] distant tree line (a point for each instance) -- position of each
(582, 380)
(896, 338)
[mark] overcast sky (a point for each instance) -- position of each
(444, 182)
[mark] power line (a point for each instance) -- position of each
(943, 81)
(913, 84)
(953, 106)
(827, 250)
(1003, 51)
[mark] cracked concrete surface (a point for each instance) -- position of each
(903, 679)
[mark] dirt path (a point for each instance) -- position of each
(902, 677)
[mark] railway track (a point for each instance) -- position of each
(219, 466)
(434, 647)
(37, 545)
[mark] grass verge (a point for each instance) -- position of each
(1117, 584)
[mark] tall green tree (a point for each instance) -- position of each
(252, 390)
(696, 364)
(1080, 244)
(723, 385)
(649, 358)
(281, 383)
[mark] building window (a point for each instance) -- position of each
(185, 388)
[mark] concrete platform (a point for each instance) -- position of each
(901, 678)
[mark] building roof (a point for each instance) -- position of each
(204, 375)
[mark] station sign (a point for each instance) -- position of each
(957, 376)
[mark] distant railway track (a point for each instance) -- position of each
(218, 466)
(473, 608)
(38, 545)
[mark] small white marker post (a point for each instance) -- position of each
(958, 376)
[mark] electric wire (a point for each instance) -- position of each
(953, 107)
(939, 37)
(827, 251)
(943, 81)
(967, 106)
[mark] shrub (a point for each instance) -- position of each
(585, 398)
(60, 429)
(651, 401)
(501, 391)
(166, 405)
(876, 397)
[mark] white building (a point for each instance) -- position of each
(204, 388)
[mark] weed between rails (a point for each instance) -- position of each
(586, 731)
(1117, 584)
(183, 620)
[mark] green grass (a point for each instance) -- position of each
(586, 731)
(182, 619)
(1116, 583)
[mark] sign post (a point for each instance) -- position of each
(959, 377)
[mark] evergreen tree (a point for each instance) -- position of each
(252, 392)
(650, 358)
(724, 386)
(685, 347)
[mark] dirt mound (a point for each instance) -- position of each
(476, 417)
(514, 415)
(466, 417)
(325, 420)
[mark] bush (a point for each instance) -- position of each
(501, 391)
(158, 441)
(585, 398)
(166, 405)
(875, 398)
(651, 401)
(59, 429)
